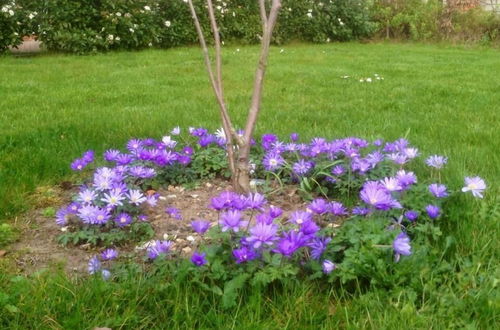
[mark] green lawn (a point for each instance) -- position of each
(445, 99)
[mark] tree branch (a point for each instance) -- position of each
(229, 130)
(268, 27)
(263, 12)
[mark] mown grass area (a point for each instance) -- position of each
(444, 99)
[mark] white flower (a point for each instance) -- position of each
(167, 140)
(150, 44)
(147, 8)
(310, 15)
(361, 80)
(176, 131)
(110, 37)
(5, 9)
(368, 79)
(167, 23)
(220, 134)
(237, 49)
(117, 38)
(127, 15)
(118, 14)
(190, 238)
(131, 30)
(11, 12)
(282, 50)
(31, 16)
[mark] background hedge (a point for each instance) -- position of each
(82, 26)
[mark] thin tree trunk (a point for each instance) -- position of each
(238, 164)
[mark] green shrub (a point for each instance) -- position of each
(430, 20)
(10, 30)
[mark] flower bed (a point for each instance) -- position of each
(365, 208)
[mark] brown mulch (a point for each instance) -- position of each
(37, 246)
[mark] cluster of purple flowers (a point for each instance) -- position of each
(95, 263)
(115, 194)
(80, 163)
(269, 232)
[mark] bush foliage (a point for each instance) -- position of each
(81, 26)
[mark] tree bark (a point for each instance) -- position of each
(238, 163)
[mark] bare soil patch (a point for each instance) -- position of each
(37, 246)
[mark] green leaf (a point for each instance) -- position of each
(231, 289)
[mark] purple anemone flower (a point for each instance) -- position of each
(63, 216)
(109, 254)
(106, 274)
(123, 219)
(273, 161)
(199, 259)
(262, 234)
(244, 254)
(375, 195)
(136, 197)
(94, 265)
(411, 215)
(338, 170)
(152, 199)
(268, 140)
(406, 179)
(309, 228)
(294, 137)
(433, 211)
(78, 164)
(111, 154)
(438, 190)
(436, 161)
(319, 206)
(231, 220)
(359, 210)
(124, 159)
(299, 217)
(158, 248)
(275, 212)
(264, 218)
(302, 167)
(206, 140)
(328, 266)
(391, 184)
(290, 242)
(225, 200)
(113, 198)
(199, 132)
(336, 208)
(100, 217)
(200, 226)
(255, 201)
(73, 207)
(87, 213)
(475, 185)
(401, 246)
(134, 144)
(318, 246)
(88, 156)
(174, 213)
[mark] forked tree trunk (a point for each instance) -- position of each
(238, 158)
